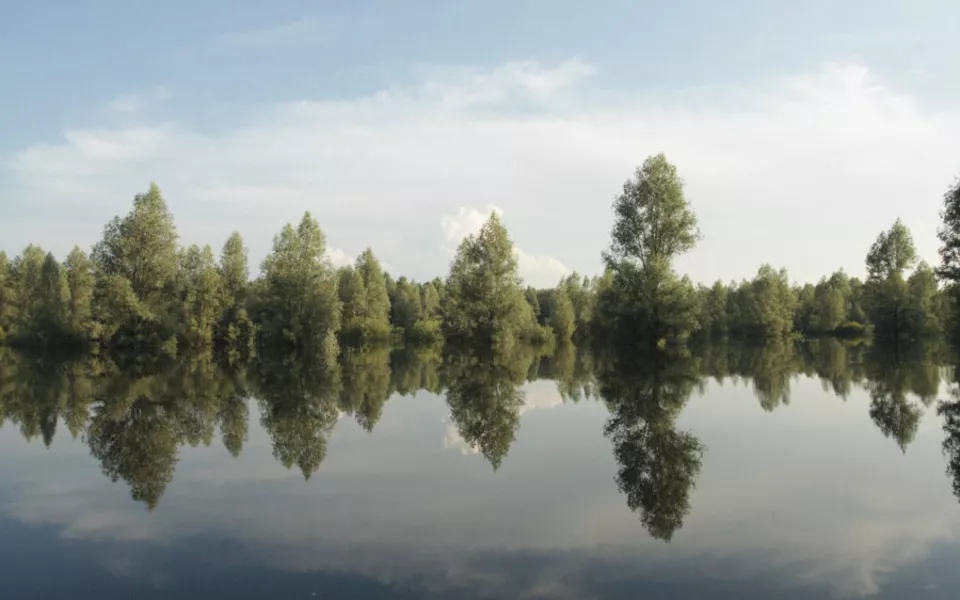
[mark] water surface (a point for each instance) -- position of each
(795, 471)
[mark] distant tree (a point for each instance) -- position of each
(713, 309)
(484, 301)
(376, 317)
(9, 299)
(201, 292)
(767, 303)
(533, 299)
(407, 307)
(353, 298)
(949, 235)
(563, 319)
(81, 284)
(886, 294)
(27, 270)
(892, 252)
(298, 308)
(236, 333)
(53, 302)
(923, 318)
(139, 254)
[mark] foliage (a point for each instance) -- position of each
(484, 302)
(653, 224)
(297, 304)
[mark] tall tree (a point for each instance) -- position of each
(653, 224)
(53, 305)
(892, 252)
(949, 234)
(136, 264)
(377, 302)
(142, 248)
(484, 300)
(201, 295)
(886, 293)
(9, 300)
(563, 318)
(81, 282)
(298, 307)
(236, 332)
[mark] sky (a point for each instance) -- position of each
(801, 130)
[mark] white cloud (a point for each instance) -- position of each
(802, 171)
(339, 258)
(452, 440)
(536, 269)
(264, 38)
(136, 102)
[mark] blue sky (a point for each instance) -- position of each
(802, 129)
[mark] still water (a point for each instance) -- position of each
(816, 470)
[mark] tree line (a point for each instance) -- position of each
(139, 290)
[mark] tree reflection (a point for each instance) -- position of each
(483, 392)
(135, 414)
(416, 368)
(658, 465)
(299, 409)
(950, 412)
(366, 384)
(893, 372)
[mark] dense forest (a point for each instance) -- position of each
(139, 291)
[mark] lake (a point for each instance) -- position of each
(792, 470)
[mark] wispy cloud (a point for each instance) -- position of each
(303, 30)
(778, 172)
(137, 102)
(540, 270)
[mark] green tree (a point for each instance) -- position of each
(767, 303)
(484, 301)
(138, 254)
(81, 283)
(892, 252)
(53, 303)
(922, 311)
(949, 235)
(886, 294)
(653, 224)
(353, 299)
(407, 307)
(9, 300)
(713, 309)
(563, 318)
(236, 332)
(142, 248)
(298, 307)
(376, 324)
(201, 294)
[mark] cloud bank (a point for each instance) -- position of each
(801, 171)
